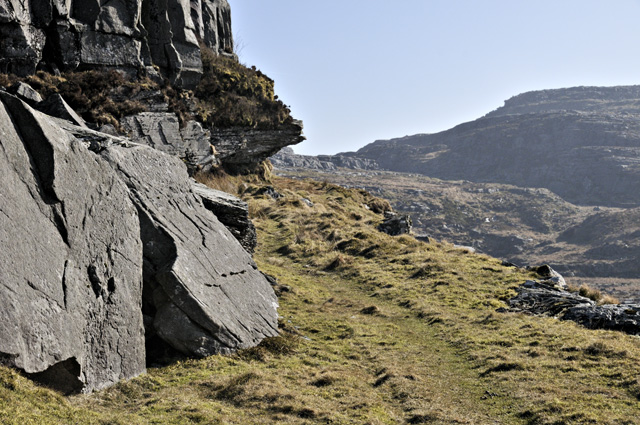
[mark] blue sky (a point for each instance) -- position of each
(360, 70)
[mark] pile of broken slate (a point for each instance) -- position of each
(549, 296)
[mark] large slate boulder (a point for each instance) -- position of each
(105, 248)
(71, 269)
(202, 289)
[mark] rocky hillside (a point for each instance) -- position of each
(520, 183)
(605, 100)
(587, 155)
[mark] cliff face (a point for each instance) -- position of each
(133, 35)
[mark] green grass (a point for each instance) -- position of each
(375, 330)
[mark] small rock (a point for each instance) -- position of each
(395, 224)
(25, 92)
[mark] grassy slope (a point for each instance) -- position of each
(376, 330)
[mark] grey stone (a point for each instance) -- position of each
(546, 272)
(56, 106)
(128, 35)
(213, 24)
(192, 261)
(232, 212)
(72, 258)
(240, 149)
(547, 299)
(25, 92)
(620, 317)
(161, 130)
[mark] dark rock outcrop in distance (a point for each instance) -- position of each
(395, 224)
(588, 155)
(106, 246)
(240, 149)
(286, 158)
(132, 35)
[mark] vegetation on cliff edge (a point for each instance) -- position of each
(229, 94)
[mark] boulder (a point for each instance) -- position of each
(26, 93)
(202, 289)
(56, 106)
(545, 298)
(232, 212)
(71, 269)
(106, 246)
(550, 275)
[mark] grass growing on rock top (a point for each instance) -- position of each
(374, 330)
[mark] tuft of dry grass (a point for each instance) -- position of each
(593, 294)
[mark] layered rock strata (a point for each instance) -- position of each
(240, 149)
(131, 35)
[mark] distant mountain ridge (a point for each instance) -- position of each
(619, 99)
(589, 154)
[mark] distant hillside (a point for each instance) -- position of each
(589, 155)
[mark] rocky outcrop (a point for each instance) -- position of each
(99, 241)
(621, 99)
(232, 212)
(202, 289)
(286, 158)
(548, 298)
(133, 35)
(241, 148)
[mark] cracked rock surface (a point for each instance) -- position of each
(70, 275)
